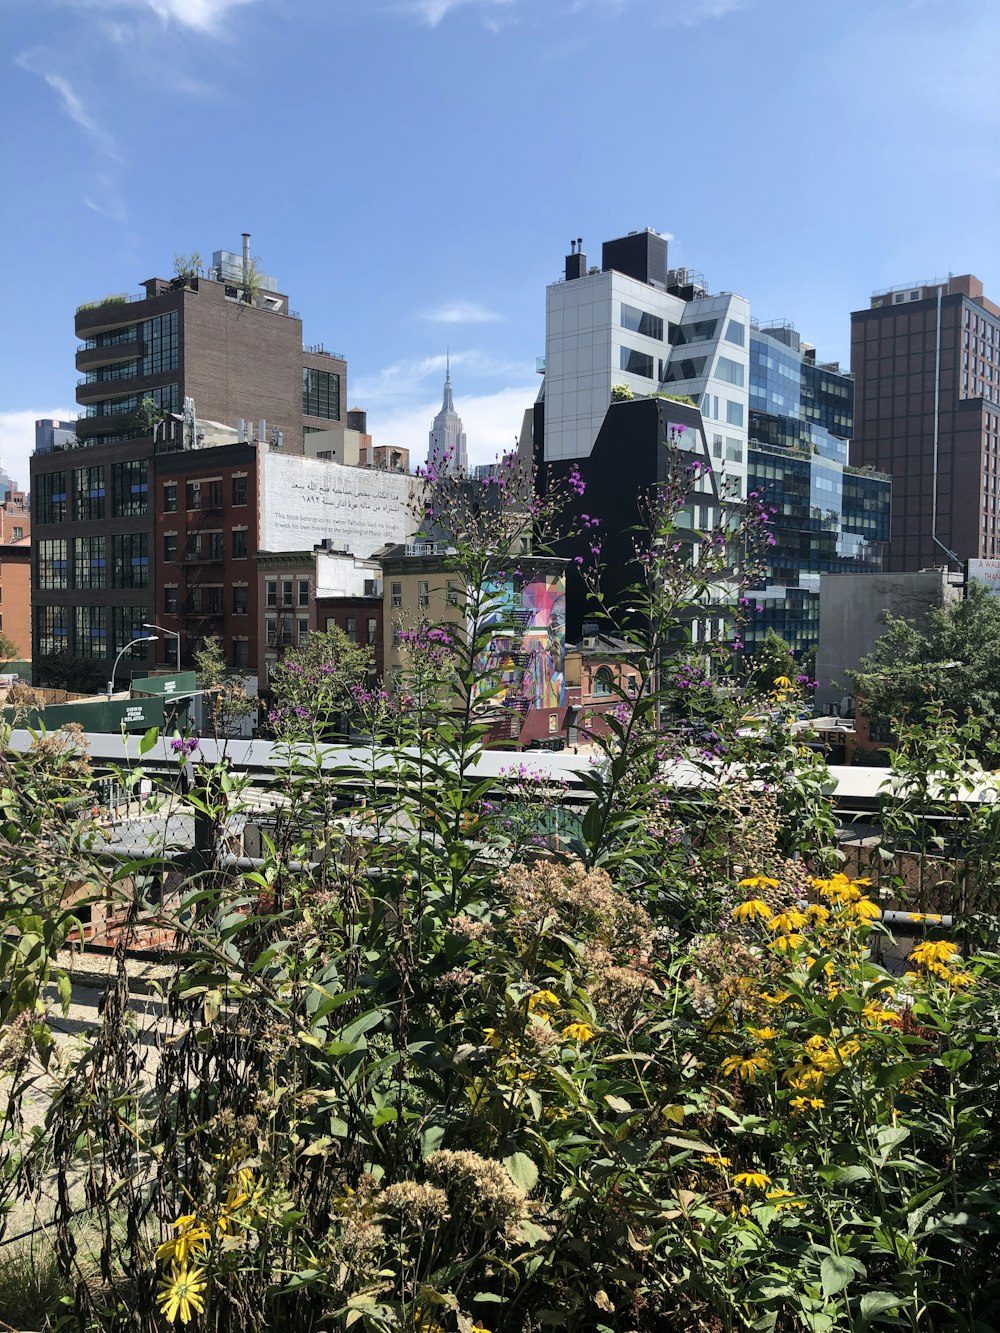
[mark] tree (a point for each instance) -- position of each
(953, 663)
(227, 701)
(187, 267)
(316, 686)
(772, 657)
(8, 649)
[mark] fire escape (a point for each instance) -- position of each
(202, 608)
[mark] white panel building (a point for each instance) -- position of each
(634, 322)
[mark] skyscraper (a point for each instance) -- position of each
(446, 448)
(926, 362)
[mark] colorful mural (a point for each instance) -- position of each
(529, 650)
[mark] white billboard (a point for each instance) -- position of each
(304, 500)
(986, 571)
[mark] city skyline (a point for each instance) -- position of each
(774, 186)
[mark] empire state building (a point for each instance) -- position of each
(447, 454)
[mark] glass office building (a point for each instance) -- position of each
(828, 518)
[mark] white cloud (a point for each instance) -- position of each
(461, 312)
(36, 62)
(492, 422)
(206, 16)
(433, 11)
(405, 379)
(17, 438)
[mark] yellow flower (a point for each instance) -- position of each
(747, 1067)
(191, 1240)
(782, 683)
(752, 1179)
(775, 998)
(864, 910)
(764, 1034)
(925, 916)
(818, 914)
(490, 1037)
(933, 951)
(874, 1013)
(720, 1162)
(959, 980)
(578, 1032)
(181, 1293)
(786, 943)
(807, 1103)
(542, 999)
(758, 882)
(783, 1199)
(753, 907)
(789, 920)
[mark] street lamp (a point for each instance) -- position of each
(145, 638)
(176, 635)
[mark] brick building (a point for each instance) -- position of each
(926, 363)
(223, 344)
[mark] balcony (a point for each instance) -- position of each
(204, 557)
(93, 358)
(110, 313)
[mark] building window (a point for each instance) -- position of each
(18, 533)
(352, 628)
(303, 592)
(636, 363)
(215, 546)
(423, 594)
(396, 594)
(716, 446)
(89, 564)
(734, 413)
(241, 599)
(170, 599)
(320, 394)
(372, 630)
(164, 398)
(687, 368)
(131, 560)
(170, 497)
(239, 490)
(641, 321)
(128, 626)
(603, 682)
(193, 493)
(734, 450)
(52, 565)
(192, 546)
(170, 546)
(270, 631)
(52, 628)
(730, 371)
(286, 592)
(303, 623)
(130, 488)
(91, 632)
(159, 335)
(49, 500)
(287, 626)
(241, 652)
(271, 592)
(452, 593)
(239, 543)
(736, 333)
(88, 488)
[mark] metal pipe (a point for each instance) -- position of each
(246, 257)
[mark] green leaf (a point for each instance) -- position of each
(149, 740)
(522, 1171)
(618, 1103)
(874, 1303)
(837, 1271)
(955, 1058)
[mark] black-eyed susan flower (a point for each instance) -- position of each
(578, 1032)
(755, 1180)
(752, 909)
(181, 1293)
(747, 1067)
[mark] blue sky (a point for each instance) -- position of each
(412, 170)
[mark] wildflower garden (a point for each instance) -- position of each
(422, 1067)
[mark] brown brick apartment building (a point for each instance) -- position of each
(228, 342)
(926, 363)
